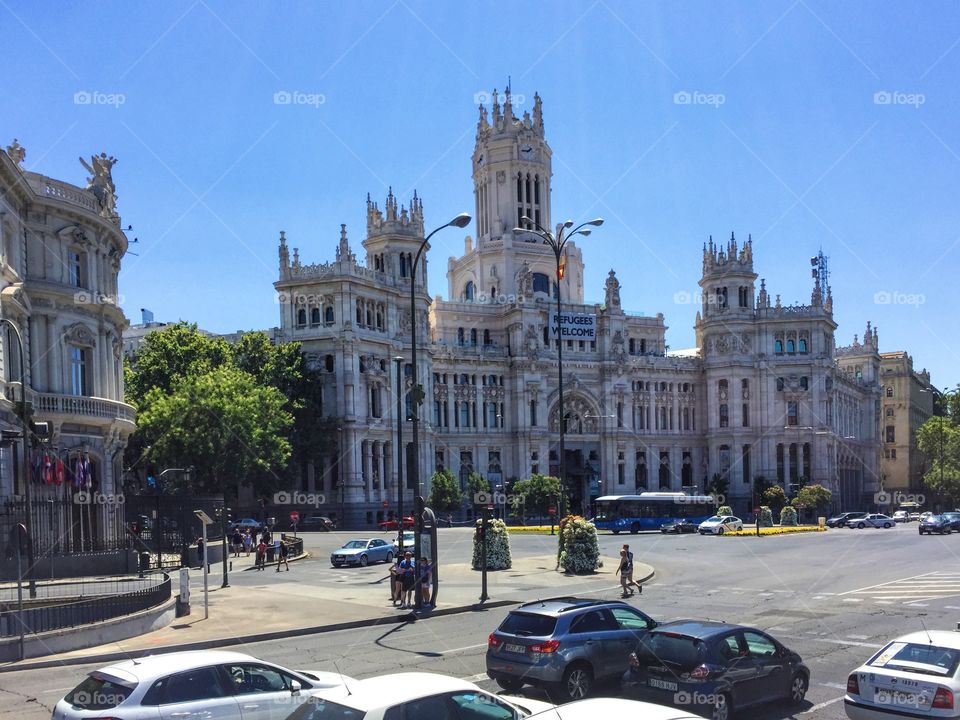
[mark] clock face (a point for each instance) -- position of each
(526, 150)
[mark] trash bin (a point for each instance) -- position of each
(270, 553)
(144, 562)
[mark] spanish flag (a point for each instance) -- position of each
(562, 267)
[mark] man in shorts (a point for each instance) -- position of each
(630, 582)
(407, 569)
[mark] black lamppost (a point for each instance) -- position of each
(557, 243)
(416, 393)
(25, 447)
(401, 455)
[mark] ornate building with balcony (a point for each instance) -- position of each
(765, 392)
(61, 250)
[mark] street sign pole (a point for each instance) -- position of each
(21, 531)
(205, 520)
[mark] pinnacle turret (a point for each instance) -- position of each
(394, 218)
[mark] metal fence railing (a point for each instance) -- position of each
(74, 603)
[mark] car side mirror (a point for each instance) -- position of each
(295, 687)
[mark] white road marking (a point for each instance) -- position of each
(821, 706)
(858, 637)
(854, 643)
(461, 649)
(479, 677)
(951, 607)
(916, 604)
(835, 686)
(853, 600)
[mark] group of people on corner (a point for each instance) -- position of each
(625, 570)
(408, 577)
(250, 541)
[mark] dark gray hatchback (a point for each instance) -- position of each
(565, 645)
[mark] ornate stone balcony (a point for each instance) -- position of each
(65, 192)
(91, 408)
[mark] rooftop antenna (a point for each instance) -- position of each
(343, 678)
(924, 626)
(820, 270)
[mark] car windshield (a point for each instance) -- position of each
(920, 658)
(355, 544)
(99, 693)
(678, 652)
(715, 518)
(321, 709)
(528, 624)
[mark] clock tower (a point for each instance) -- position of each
(511, 169)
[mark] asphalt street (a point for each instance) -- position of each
(834, 597)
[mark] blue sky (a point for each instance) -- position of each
(814, 125)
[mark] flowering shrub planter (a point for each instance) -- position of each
(781, 530)
(579, 551)
(498, 547)
(724, 510)
(788, 517)
(766, 517)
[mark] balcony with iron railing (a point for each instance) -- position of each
(71, 406)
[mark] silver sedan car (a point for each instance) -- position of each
(877, 520)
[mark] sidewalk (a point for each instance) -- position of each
(285, 606)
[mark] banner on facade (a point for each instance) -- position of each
(574, 326)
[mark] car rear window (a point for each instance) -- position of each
(917, 658)
(527, 624)
(321, 709)
(671, 649)
(99, 693)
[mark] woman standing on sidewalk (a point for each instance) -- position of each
(408, 569)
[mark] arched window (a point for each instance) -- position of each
(379, 318)
(541, 283)
(486, 337)
(359, 313)
(778, 347)
(468, 291)
(460, 336)
(369, 317)
(804, 383)
(724, 416)
(791, 348)
(328, 315)
(315, 316)
(301, 317)
(473, 336)
(803, 345)
(780, 384)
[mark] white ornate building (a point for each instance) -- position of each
(766, 392)
(61, 249)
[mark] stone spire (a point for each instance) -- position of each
(508, 116)
(538, 114)
(816, 295)
(828, 303)
(284, 257)
(483, 124)
(496, 108)
(344, 253)
(764, 299)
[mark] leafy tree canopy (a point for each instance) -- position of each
(444, 491)
(813, 496)
(939, 440)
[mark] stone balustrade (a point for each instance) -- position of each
(64, 192)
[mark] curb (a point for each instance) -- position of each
(275, 635)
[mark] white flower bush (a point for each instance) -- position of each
(498, 547)
(579, 550)
(788, 516)
(766, 516)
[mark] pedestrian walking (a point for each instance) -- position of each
(200, 551)
(261, 555)
(630, 580)
(282, 553)
(237, 542)
(396, 582)
(426, 580)
(407, 569)
(247, 542)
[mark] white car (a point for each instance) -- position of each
(915, 676)
(200, 684)
(901, 516)
(414, 695)
(408, 542)
(877, 520)
(614, 709)
(719, 524)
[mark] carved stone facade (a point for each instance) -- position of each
(762, 394)
(61, 249)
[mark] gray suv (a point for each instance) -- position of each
(565, 645)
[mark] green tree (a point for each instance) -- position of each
(775, 497)
(939, 440)
(813, 497)
(760, 485)
(719, 487)
(228, 427)
(539, 492)
(444, 491)
(476, 483)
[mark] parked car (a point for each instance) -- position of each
(317, 522)
(925, 515)
(362, 552)
(719, 524)
(876, 520)
(409, 540)
(914, 517)
(564, 645)
(202, 683)
(414, 695)
(934, 524)
(679, 527)
(953, 520)
(913, 676)
(841, 519)
(901, 516)
(408, 523)
(613, 709)
(246, 524)
(714, 668)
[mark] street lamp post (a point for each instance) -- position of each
(417, 394)
(401, 455)
(25, 449)
(557, 243)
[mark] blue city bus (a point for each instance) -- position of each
(650, 510)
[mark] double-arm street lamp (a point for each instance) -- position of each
(558, 243)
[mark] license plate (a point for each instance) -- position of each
(662, 684)
(510, 647)
(882, 696)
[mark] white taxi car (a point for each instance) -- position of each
(200, 684)
(415, 695)
(915, 676)
(719, 524)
